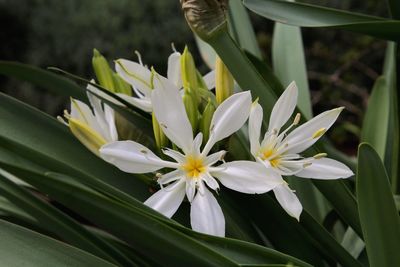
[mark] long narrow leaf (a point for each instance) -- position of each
(379, 217)
(306, 15)
(22, 247)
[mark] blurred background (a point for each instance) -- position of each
(341, 66)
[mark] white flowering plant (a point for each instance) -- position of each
(229, 168)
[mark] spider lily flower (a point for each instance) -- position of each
(92, 129)
(279, 149)
(194, 171)
(140, 78)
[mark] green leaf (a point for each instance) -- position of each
(306, 15)
(241, 28)
(289, 64)
(58, 223)
(22, 247)
(45, 79)
(378, 215)
(47, 142)
(392, 158)
(376, 120)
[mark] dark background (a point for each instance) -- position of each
(341, 66)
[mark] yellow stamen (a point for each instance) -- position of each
(319, 133)
(194, 166)
(275, 162)
(320, 155)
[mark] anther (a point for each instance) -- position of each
(297, 119)
(320, 155)
(319, 133)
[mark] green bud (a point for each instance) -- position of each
(188, 70)
(159, 136)
(205, 121)
(223, 81)
(103, 72)
(120, 85)
(190, 102)
(205, 17)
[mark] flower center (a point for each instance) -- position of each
(194, 166)
(267, 153)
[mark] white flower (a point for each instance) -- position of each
(140, 78)
(194, 169)
(92, 128)
(279, 150)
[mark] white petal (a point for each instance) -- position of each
(142, 103)
(198, 140)
(326, 168)
(210, 181)
(100, 94)
(209, 79)
(228, 118)
(288, 200)
(206, 215)
(135, 74)
(110, 120)
(170, 177)
(171, 114)
(190, 189)
(168, 200)
(177, 156)
(174, 69)
(255, 122)
(283, 107)
(304, 132)
(247, 177)
(133, 157)
(215, 157)
(83, 113)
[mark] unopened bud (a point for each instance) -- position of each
(190, 102)
(206, 118)
(188, 70)
(223, 81)
(121, 86)
(159, 136)
(86, 135)
(205, 17)
(103, 72)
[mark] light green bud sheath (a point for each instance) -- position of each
(223, 81)
(103, 72)
(205, 121)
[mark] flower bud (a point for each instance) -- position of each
(159, 136)
(190, 102)
(206, 118)
(103, 72)
(205, 17)
(223, 81)
(188, 70)
(120, 85)
(87, 136)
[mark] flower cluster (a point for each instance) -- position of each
(194, 168)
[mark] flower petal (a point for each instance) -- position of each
(288, 200)
(142, 103)
(168, 199)
(206, 215)
(326, 168)
(255, 122)
(283, 107)
(215, 157)
(190, 189)
(133, 157)
(135, 74)
(301, 138)
(228, 118)
(171, 114)
(170, 177)
(174, 69)
(110, 123)
(210, 181)
(247, 177)
(209, 79)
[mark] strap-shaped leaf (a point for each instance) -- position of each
(306, 15)
(378, 215)
(23, 247)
